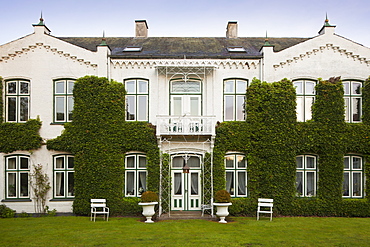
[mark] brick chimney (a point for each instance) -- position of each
(232, 30)
(141, 29)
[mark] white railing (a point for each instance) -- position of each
(186, 125)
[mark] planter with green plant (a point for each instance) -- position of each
(222, 202)
(148, 201)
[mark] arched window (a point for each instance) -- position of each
(305, 90)
(234, 99)
(17, 169)
(135, 174)
(63, 100)
(352, 100)
(186, 97)
(17, 100)
(236, 174)
(353, 177)
(306, 175)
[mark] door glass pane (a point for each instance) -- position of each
(60, 114)
(12, 106)
(193, 87)
(130, 107)
(177, 161)
(310, 186)
(299, 183)
(229, 87)
(177, 106)
(193, 161)
(229, 107)
(130, 161)
(178, 183)
(71, 181)
(60, 87)
(59, 163)
(24, 87)
(194, 106)
(12, 87)
(356, 185)
(23, 109)
(194, 183)
(130, 183)
(59, 183)
(142, 87)
(240, 101)
(12, 185)
(24, 184)
(346, 184)
(130, 86)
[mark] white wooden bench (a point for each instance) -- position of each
(99, 206)
(265, 207)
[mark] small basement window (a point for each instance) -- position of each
(132, 49)
(236, 49)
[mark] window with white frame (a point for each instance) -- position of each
(17, 100)
(135, 174)
(352, 100)
(63, 100)
(305, 91)
(353, 177)
(17, 169)
(234, 99)
(186, 97)
(137, 99)
(306, 175)
(236, 175)
(63, 176)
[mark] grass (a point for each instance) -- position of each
(285, 231)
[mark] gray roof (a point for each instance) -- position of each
(178, 47)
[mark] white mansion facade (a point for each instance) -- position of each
(184, 86)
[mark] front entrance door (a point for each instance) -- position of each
(186, 187)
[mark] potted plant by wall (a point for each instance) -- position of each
(222, 202)
(148, 201)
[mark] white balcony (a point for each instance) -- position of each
(186, 125)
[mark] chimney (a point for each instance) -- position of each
(141, 30)
(232, 30)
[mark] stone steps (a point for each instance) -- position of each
(178, 215)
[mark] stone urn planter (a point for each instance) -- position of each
(148, 210)
(148, 201)
(222, 210)
(223, 201)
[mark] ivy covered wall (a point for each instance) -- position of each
(271, 138)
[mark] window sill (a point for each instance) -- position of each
(17, 200)
(61, 199)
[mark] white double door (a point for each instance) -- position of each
(185, 105)
(186, 190)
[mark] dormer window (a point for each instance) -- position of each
(132, 49)
(236, 49)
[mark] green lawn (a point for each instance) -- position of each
(285, 231)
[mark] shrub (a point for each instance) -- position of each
(149, 196)
(6, 212)
(222, 196)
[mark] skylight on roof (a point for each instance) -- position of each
(132, 48)
(236, 49)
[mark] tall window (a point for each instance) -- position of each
(137, 99)
(305, 90)
(63, 100)
(353, 177)
(17, 169)
(234, 99)
(306, 175)
(236, 175)
(352, 101)
(186, 97)
(135, 174)
(64, 176)
(17, 98)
